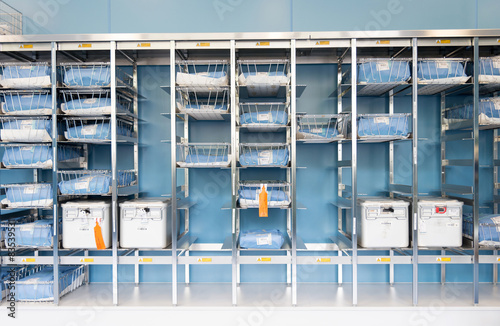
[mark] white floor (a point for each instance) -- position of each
(266, 304)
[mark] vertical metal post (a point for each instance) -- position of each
(136, 267)
(55, 212)
(443, 172)
(136, 155)
(114, 195)
(340, 211)
(173, 166)
(234, 229)
(415, 170)
(476, 170)
(391, 181)
(495, 193)
(354, 170)
(443, 269)
(293, 106)
(186, 193)
(391, 268)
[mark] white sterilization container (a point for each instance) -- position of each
(145, 223)
(383, 223)
(79, 221)
(439, 222)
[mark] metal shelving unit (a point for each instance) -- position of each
(298, 48)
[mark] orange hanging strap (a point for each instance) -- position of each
(263, 202)
(99, 240)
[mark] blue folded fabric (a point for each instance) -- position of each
(35, 234)
(97, 184)
(261, 239)
(102, 131)
(275, 157)
(28, 124)
(382, 126)
(487, 67)
(487, 108)
(440, 69)
(5, 275)
(489, 227)
(24, 155)
(40, 285)
(29, 193)
(270, 117)
(17, 102)
(10, 72)
(215, 107)
(203, 158)
(90, 103)
(91, 76)
(383, 71)
(252, 193)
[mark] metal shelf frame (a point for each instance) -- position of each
(341, 251)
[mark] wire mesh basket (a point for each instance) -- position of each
(202, 75)
(41, 156)
(94, 74)
(26, 102)
(489, 70)
(489, 112)
(382, 127)
(263, 78)
(209, 104)
(94, 102)
(13, 274)
(26, 129)
(377, 76)
(321, 128)
(26, 75)
(93, 182)
(10, 223)
(204, 155)
(96, 129)
(440, 74)
(30, 232)
(39, 287)
(278, 193)
(260, 117)
(264, 155)
(28, 195)
(489, 229)
(11, 20)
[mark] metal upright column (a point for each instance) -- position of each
(173, 162)
(391, 181)
(136, 156)
(340, 211)
(495, 193)
(114, 188)
(293, 106)
(354, 170)
(443, 170)
(55, 241)
(476, 170)
(415, 170)
(234, 230)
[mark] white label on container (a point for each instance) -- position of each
(265, 157)
(264, 117)
(27, 124)
(452, 225)
(29, 190)
(442, 65)
(497, 105)
(27, 96)
(81, 185)
(496, 64)
(317, 130)
(261, 241)
(129, 213)
(382, 66)
(89, 130)
(382, 120)
(206, 107)
(90, 101)
(28, 148)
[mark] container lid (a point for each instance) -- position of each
(382, 201)
(147, 201)
(439, 201)
(86, 203)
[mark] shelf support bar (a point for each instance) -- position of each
(234, 231)
(476, 171)
(114, 188)
(173, 167)
(293, 106)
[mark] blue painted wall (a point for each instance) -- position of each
(316, 184)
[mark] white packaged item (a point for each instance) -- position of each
(79, 221)
(145, 223)
(439, 222)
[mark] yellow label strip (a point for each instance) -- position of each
(87, 260)
(29, 260)
(204, 260)
(145, 260)
(383, 259)
(263, 43)
(26, 46)
(144, 45)
(323, 260)
(85, 45)
(323, 43)
(443, 259)
(383, 42)
(264, 259)
(443, 41)
(203, 44)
